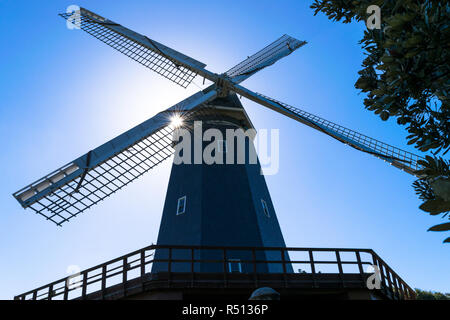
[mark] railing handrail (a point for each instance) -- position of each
(396, 284)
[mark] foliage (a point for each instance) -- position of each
(434, 189)
(431, 295)
(406, 75)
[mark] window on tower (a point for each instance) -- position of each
(234, 266)
(181, 206)
(265, 208)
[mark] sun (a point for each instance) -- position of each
(176, 121)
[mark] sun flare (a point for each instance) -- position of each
(176, 121)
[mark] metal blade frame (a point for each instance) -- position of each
(169, 63)
(172, 64)
(82, 183)
(267, 56)
(399, 158)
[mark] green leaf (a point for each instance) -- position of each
(441, 227)
(384, 115)
(435, 206)
(446, 240)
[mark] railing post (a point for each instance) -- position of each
(66, 289)
(313, 268)
(407, 294)
(405, 291)
(255, 275)
(170, 261)
(341, 271)
(225, 270)
(169, 268)
(192, 260)
(412, 294)
(84, 285)
(395, 281)
(382, 275)
(402, 289)
(142, 266)
(283, 260)
(124, 276)
(360, 267)
(192, 267)
(389, 279)
(50, 292)
(378, 264)
(103, 281)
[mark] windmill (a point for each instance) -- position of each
(205, 204)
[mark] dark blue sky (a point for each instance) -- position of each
(64, 93)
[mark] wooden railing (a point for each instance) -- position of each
(309, 266)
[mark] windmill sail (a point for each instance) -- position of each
(278, 49)
(82, 183)
(169, 63)
(399, 158)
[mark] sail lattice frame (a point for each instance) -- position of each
(136, 51)
(106, 178)
(266, 55)
(400, 158)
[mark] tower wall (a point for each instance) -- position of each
(223, 208)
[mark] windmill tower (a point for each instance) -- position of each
(206, 204)
(220, 204)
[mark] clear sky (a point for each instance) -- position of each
(62, 93)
